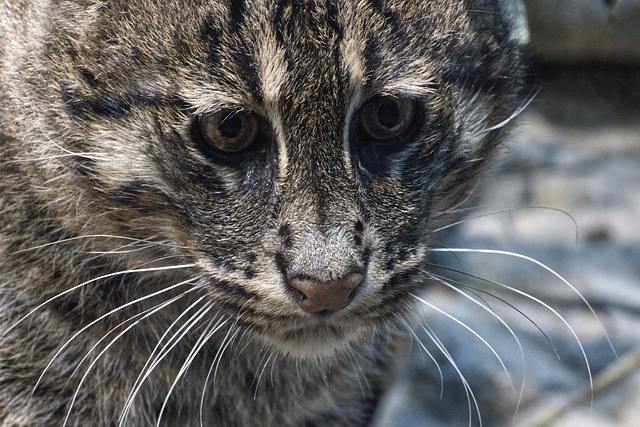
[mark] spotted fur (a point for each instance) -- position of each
(130, 250)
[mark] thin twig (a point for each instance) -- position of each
(616, 372)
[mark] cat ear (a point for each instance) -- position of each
(520, 29)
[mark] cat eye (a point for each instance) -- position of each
(386, 118)
(229, 131)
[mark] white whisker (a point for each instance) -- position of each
(273, 366)
(542, 303)
(470, 329)
(122, 307)
(515, 114)
(227, 340)
(426, 351)
(154, 359)
(256, 382)
(353, 354)
(104, 350)
(213, 368)
(99, 236)
(223, 347)
(95, 279)
(204, 337)
(543, 266)
(94, 156)
(505, 211)
(471, 397)
(136, 319)
(502, 300)
(488, 309)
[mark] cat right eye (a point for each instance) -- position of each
(388, 118)
(228, 131)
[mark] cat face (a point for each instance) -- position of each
(298, 153)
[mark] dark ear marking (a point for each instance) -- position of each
(358, 230)
(237, 14)
(211, 33)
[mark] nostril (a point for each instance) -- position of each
(332, 295)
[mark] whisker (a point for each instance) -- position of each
(471, 397)
(404, 312)
(126, 249)
(256, 382)
(224, 347)
(204, 337)
(136, 318)
(215, 363)
(104, 350)
(122, 307)
(221, 322)
(502, 300)
(515, 114)
(120, 250)
(470, 329)
(59, 156)
(248, 342)
(526, 258)
(154, 359)
(226, 341)
(273, 366)
(95, 279)
(213, 368)
(487, 308)
(543, 266)
(353, 354)
(99, 236)
(426, 351)
(153, 355)
(509, 210)
(537, 300)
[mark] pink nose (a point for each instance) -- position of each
(332, 295)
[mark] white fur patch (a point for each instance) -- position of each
(272, 72)
(353, 64)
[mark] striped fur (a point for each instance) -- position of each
(129, 248)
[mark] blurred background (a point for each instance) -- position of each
(559, 222)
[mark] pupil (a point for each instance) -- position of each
(388, 113)
(230, 126)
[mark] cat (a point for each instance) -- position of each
(216, 212)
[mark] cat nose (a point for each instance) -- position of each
(331, 295)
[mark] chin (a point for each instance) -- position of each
(316, 343)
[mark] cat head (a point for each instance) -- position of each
(298, 153)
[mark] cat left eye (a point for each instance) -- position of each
(229, 131)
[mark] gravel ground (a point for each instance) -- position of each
(565, 201)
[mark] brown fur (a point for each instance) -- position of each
(108, 196)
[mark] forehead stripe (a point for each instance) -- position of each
(272, 72)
